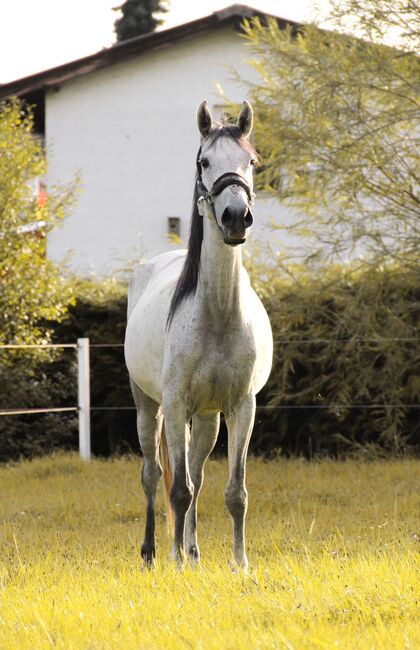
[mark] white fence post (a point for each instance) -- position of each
(84, 397)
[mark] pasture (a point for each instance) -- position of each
(333, 549)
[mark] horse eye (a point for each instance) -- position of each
(204, 163)
(253, 162)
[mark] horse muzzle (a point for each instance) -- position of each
(235, 223)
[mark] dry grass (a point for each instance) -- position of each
(333, 546)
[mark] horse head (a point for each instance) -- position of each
(225, 163)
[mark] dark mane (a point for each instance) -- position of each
(188, 279)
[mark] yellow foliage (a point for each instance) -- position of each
(333, 549)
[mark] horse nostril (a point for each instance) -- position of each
(236, 220)
(227, 217)
(249, 219)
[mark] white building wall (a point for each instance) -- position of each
(129, 131)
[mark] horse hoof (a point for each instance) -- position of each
(241, 568)
(148, 555)
(177, 558)
(194, 554)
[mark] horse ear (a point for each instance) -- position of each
(204, 119)
(246, 118)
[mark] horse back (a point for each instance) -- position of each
(144, 273)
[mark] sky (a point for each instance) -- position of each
(39, 34)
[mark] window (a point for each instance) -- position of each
(174, 226)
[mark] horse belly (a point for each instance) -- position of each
(263, 341)
(144, 342)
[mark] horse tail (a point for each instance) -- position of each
(168, 479)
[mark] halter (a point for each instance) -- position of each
(221, 183)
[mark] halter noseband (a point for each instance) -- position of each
(229, 178)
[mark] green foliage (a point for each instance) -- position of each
(138, 18)
(33, 291)
(34, 294)
(31, 383)
(99, 312)
(343, 339)
(388, 21)
(322, 358)
(337, 129)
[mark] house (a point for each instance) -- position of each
(123, 120)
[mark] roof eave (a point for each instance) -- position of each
(119, 52)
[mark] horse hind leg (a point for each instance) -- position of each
(203, 438)
(177, 435)
(149, 425)
(240, 425)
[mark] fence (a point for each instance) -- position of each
(84, 408)
(83, 381)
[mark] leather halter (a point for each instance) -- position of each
(229, 178)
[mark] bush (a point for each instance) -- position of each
(33, 288)
(100, 314)
(50, 380)
(344, 340)
(335, 347)
(30, 379)
(34, 292)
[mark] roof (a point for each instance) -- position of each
(130, 48)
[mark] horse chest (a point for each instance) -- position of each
(219, 378)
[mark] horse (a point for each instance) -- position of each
(199, 343)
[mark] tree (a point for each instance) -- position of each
(138, 17)
(390, 21)
(338, 129)
(33, 291)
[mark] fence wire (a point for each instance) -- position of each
(268, 407)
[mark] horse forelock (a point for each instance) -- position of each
(188, 279)
(228, 130)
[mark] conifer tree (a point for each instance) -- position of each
(138, 18)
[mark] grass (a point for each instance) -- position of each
(333, 546)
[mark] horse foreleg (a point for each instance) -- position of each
(177, 437)
(149, 426)
(240, 424)
(203, 438)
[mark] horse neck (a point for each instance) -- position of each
(219, 286)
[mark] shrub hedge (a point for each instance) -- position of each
(346, 362)
(50, 380)
(345, 376)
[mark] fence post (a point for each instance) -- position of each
(84, 397)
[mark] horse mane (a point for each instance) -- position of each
(188, 279)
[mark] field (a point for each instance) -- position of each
(333, 547)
